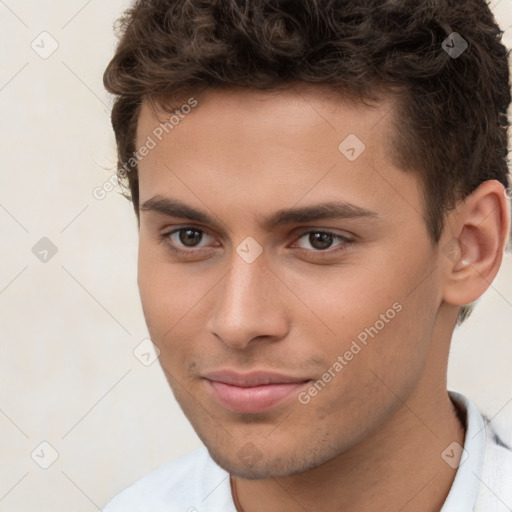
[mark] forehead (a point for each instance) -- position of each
(248, 146)
(298, 116)
(296, 107)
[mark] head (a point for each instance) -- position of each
(238, 122)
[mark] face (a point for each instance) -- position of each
(278, 319)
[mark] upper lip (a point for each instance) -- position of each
(255, 378)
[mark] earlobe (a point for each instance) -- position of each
(479, 231)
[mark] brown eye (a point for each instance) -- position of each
(186, 239)
(190, 237)
(322, 240)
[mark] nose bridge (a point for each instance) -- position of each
(246, 305)
(241, 287)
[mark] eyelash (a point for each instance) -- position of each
(342, 247)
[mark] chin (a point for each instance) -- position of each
(257, 466)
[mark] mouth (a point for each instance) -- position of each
(252, 392)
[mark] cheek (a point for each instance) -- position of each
(379, 362)
(376, 320)
(400, 341)
(338, 304)
(152, 280)
(163, 291)
(174, 303)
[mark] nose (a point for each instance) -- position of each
(248, 305)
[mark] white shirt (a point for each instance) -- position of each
(195, 483)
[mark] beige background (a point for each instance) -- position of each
(70, 325)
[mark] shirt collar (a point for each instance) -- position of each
(463, 493)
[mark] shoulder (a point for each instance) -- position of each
(181, 484)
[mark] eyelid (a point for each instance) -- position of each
(332, 231)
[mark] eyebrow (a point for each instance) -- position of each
(328, 210)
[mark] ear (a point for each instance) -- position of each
(473, 243)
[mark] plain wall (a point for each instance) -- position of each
(70, 324)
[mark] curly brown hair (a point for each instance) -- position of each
(451, 122)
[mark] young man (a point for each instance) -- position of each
(322, 193)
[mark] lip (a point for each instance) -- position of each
(252, 392)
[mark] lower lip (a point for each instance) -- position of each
(253, 399)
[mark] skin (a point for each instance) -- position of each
(373, 437)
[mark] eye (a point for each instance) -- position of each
(322, 240)
(188, 240)
(184, 239)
